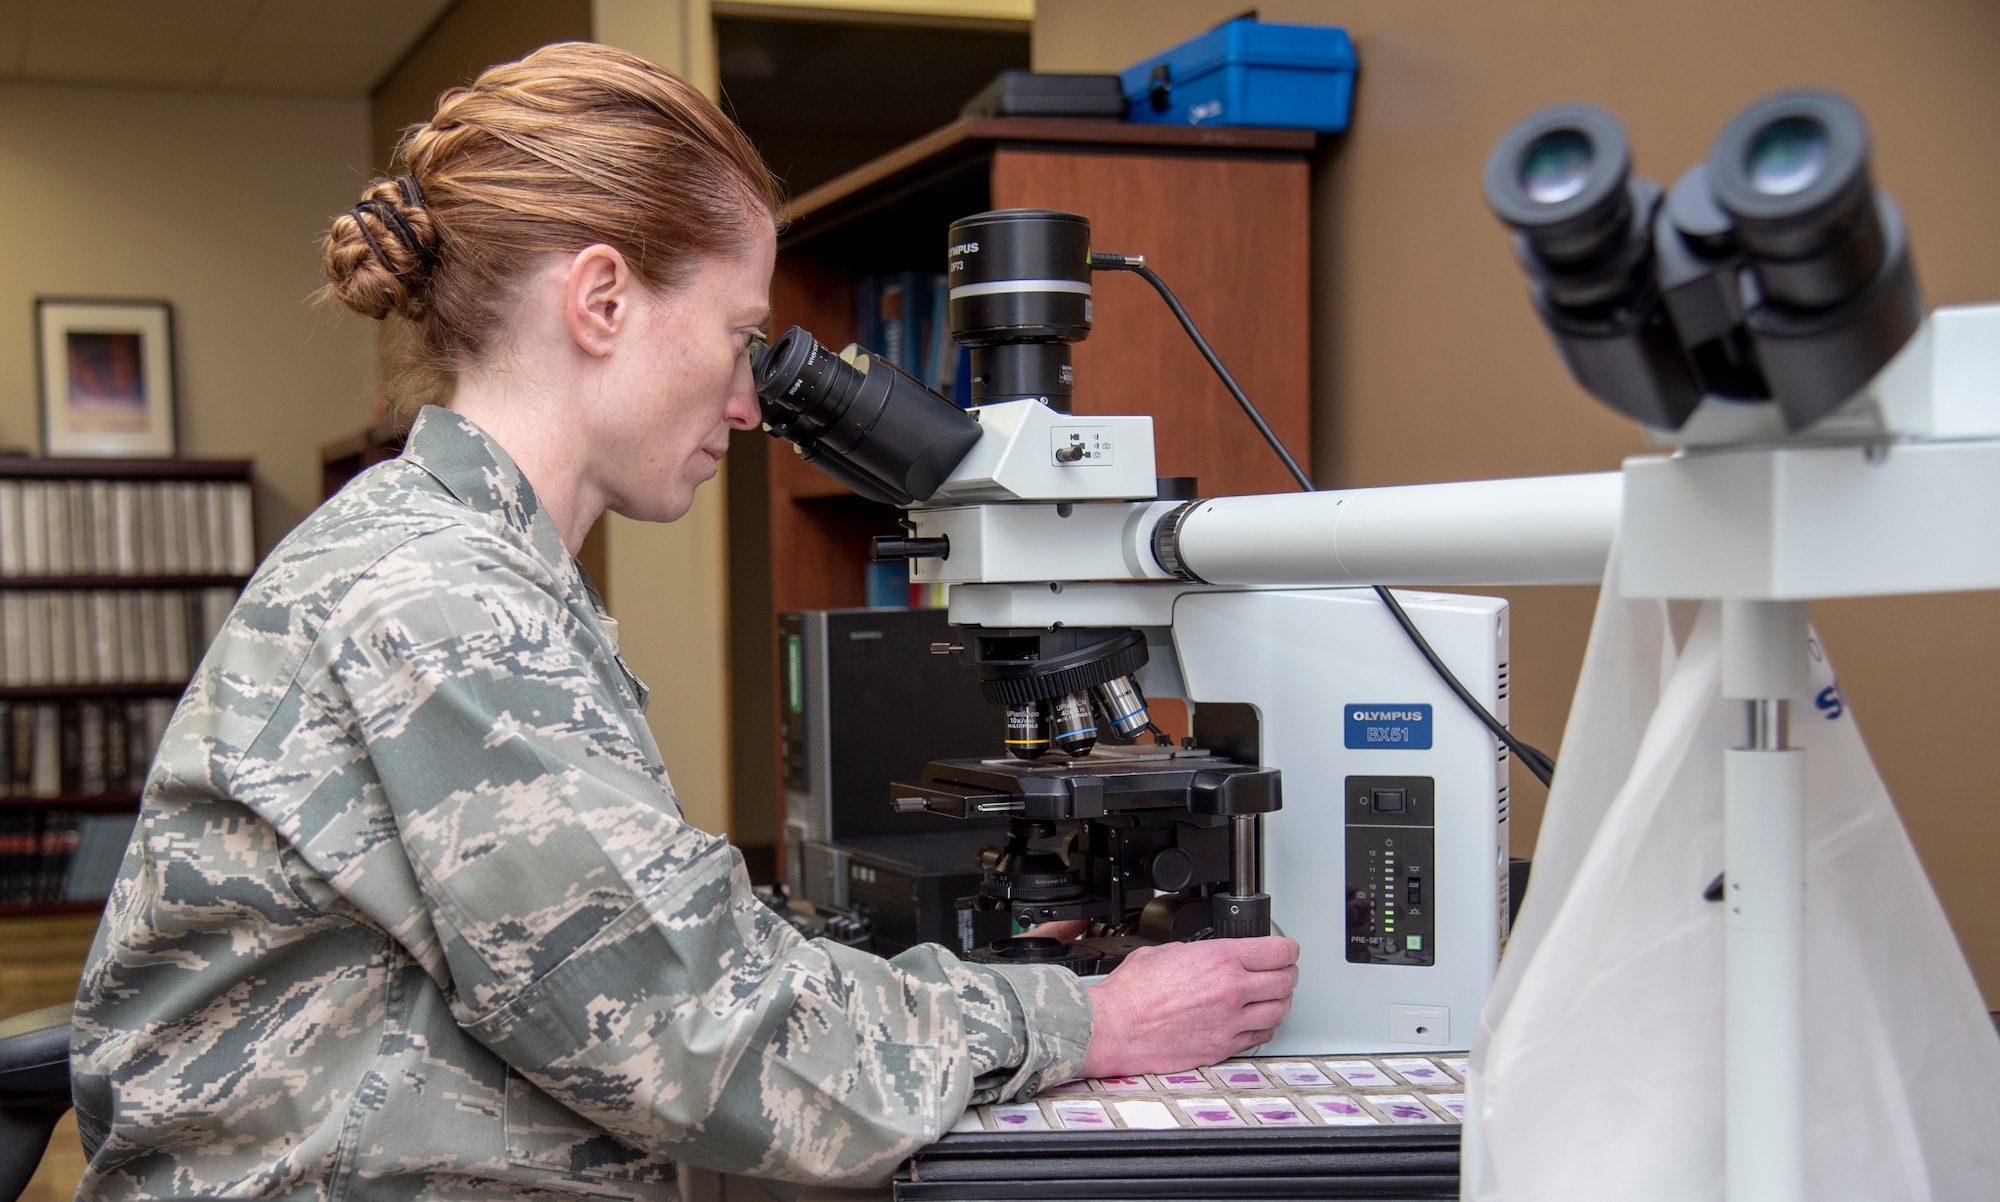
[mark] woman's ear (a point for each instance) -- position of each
(597, 298)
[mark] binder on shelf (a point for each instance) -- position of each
(55, 505)
(10, 528)
(242, 532)
(34, 530)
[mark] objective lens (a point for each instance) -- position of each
(1787, 156)
(1123, 707)
(1556, 166)
(1075, 726)
(1027, 731)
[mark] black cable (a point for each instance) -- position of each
(1534, 760)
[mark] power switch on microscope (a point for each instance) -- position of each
(1388, 801)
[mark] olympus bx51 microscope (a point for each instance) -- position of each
(1348, 779)
(1336, 788)
(1761, 319)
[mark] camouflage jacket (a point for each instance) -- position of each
(412, 911)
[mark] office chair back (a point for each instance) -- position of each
(34, 1091)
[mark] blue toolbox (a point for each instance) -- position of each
(1246, 72)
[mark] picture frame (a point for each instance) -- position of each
(106, 374)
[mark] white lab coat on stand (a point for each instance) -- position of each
(1597, 1068)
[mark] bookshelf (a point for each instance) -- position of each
(1222, 214)
(114, 576)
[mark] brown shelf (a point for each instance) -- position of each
(969, 136)
(125, 799)
(149, 582)
(24, 467)
(46, 909)
(67, 692)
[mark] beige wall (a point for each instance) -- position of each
(1429, 364)
(215, 203)
(471, 36)
(669, 584)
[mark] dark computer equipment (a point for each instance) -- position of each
(863, 700)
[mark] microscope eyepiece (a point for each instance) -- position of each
(1792, 171)
(1560, 180)
(861, 420)
(1828, 251)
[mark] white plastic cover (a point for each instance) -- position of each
(1597, 1069)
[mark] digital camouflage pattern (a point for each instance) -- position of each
(412, 912)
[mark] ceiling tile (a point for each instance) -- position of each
(316, 48)
(133, 43)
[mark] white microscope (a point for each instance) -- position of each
(1335, 788)
(1346, 782)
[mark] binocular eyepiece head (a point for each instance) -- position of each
(1773, 270)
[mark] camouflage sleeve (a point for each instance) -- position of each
(613, 954)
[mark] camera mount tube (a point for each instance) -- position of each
(1538, 530)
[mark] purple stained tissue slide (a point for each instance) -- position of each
(1234, 1074)
(1337, 1111)
(1418, 1071)
(1359, 1073)
(1210, 1112)
(1298, 1074)
(1402, 1108)
(1124, 1085)
(1082, 1114)
(1276, 1112)
(1025, 1117)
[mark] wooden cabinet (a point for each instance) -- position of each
(1221, 214)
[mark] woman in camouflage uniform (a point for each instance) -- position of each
(412, 911)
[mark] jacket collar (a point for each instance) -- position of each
(482, 476)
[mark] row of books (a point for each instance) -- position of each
(126, 528)
(107, 636)
(60, 855)
(80, 748)
(901, 317)
(890, 587)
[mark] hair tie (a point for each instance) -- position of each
(373, 245)
(413, 192)
(388, 213)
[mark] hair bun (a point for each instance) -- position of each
(379, 254)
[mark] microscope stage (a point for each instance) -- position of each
(1108, 781)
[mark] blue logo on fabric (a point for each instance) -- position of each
(1389, 727)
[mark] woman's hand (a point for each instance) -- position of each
(1179, 1005)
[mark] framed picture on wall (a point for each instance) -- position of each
(107, 377)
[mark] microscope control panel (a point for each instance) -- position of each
(1391, 886)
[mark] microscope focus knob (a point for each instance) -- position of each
(1169, 869)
